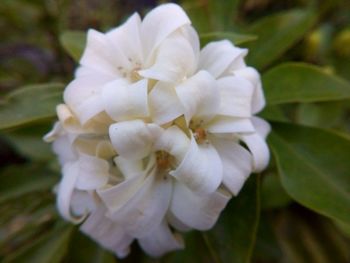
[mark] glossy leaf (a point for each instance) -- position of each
(51, 247)
(235, 38)
(29, 104)
(276, 33)
(299, 82)
(233, 237)
(19, 180)
(272, 193)
(74, 43)
(314, 167)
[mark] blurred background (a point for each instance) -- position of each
(35, 38)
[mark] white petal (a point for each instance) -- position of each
(159, 24)
(117, 196)
(126, 39)
(129, 168)
(65, 191)
(93, 172)
(133, 139)
(249, 73)
(123, 102)
(56, 132)
(176, 223)
(226, 124)
(199, 96)
(62, 147)
(175, 59)
(259, 149)
(236, 162)
(83, 96)
(195, 211)
(161, 241)
(216, 57)
(82, 202)
(146, 209)
(164, 104)
(108, 234)
(174, 141)
(191, 34)
(100, 55)
(236, 96)
(201, 168)
(262, 127)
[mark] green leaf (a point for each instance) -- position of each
(29, 104)
(273, 113)
(29, 141)
(323, 115)
(272, 193)
(49, 248)
(19, 180)
(235, 38)
(233, 237)
(314, 167)
(299, 82)
(277, 33)
(74, 43)
(91, 252)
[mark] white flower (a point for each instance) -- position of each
(156, 135)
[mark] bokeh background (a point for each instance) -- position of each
(39, 44)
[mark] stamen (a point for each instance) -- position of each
(200, 135)
(164, 161)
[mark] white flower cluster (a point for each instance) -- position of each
(156, 135)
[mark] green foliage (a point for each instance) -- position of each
(302, 51)
(298, 82)
(276, 33)
(73, 42)
(29, 104)
(311, 158)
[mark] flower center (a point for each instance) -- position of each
(164, 161)
(199, 133)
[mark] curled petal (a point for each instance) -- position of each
(122, 101)
(100, 55)
(93, 172)
(147, 208)
(174, 141)
(217, 57)
(199, 96)
(164, 104)
(156, 25)
(56, 132)
(259, 149)
(227, 124)
(195, 211)
(236, 162)
(161, 241)
(126, 40)
(117, 196)
(83, 96)
(175, 60)
(133, 139)
(262, 127)
(65, 192)
(235, 96)
(252, 75)
(107, 233)
(129, 168)
(201, 169)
